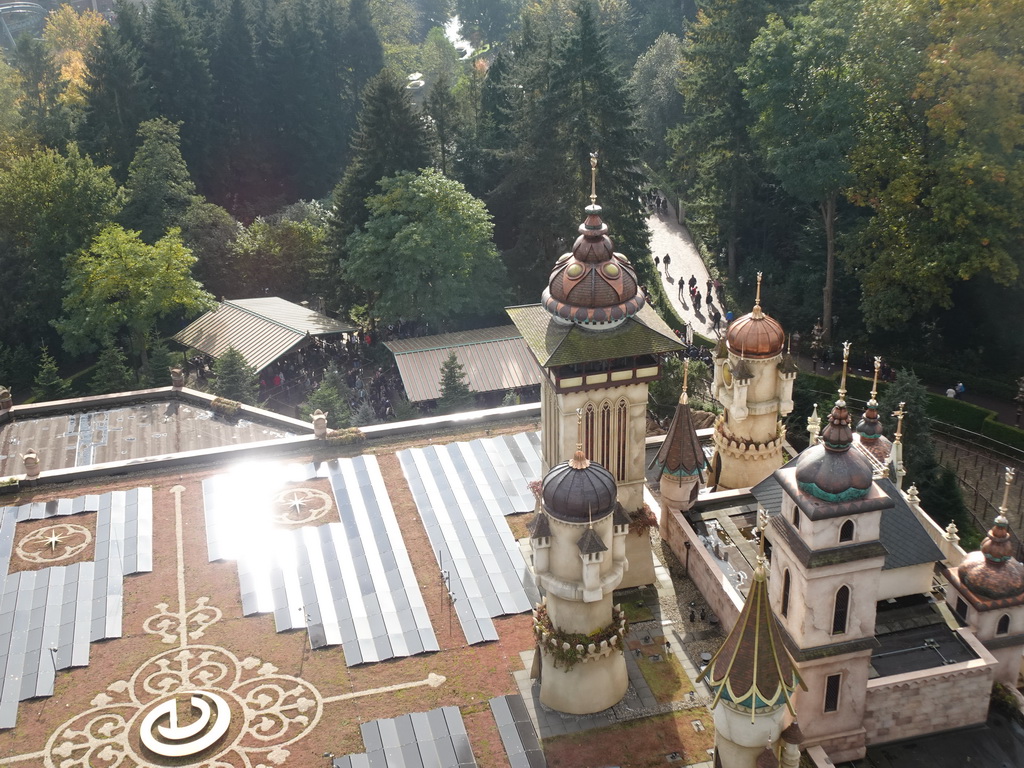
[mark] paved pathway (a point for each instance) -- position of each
(668, 236)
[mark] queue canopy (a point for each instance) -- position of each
(262, 330)
(495, 359)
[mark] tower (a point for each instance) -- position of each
(988, 594)
(599, 345)
(578, 539)
(681, 458)
(754, 381)
(753, 679)
(826, 562)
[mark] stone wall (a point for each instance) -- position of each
(723, 599)
(903, 706)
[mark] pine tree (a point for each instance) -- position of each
(49, 385)
(156, 372)
(112, 373)
(455, 394)
(159, 188)
(235, 379)
(331, 397)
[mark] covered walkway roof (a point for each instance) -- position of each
(263, 330)
(495, 359)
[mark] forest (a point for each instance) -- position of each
(866, 156)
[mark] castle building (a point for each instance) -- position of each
(579, 555)
(754, 383)
(599, 344)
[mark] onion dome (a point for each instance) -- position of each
(578, 490)
(752, 668)
(681, 454)
(830, 471)
(870, 427)
(755, 335)
(767, 759)
(592, 285)
(792, 734)
(993, 573)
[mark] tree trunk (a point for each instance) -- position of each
(730, 243)
(139, 342)
(828, 215)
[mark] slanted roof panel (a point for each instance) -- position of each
(262, 330)
(495, 359)
(902, 534)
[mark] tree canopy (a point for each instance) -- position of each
(426, 253)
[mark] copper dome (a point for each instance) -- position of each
(869, 427)
(579, 490)
(830, 470)
(593, 284)
(755, 335)
(993, 573)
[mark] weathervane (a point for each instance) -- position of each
(593, 178)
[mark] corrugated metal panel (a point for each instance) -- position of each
(261, 329)
(500, 362)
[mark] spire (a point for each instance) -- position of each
(757, 313)
(842, 384)
(681, 454)
(899, 413)
(593, 178)
(869, 427)
(837, 434)
(994, 577)
(752, 668)
(579, 459)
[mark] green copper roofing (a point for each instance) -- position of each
(555, 343)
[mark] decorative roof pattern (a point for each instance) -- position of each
(752, 669)
(262, 330)
(681, 454)
(593, 285)
(495, 359)
(555, 344)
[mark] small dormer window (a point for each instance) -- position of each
(846, 532)
(1003, 627)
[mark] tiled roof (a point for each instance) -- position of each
(262, 330)
(590, 543)
(681, 453)
(752, 669)
(554, 343)
(495, 359)
(902, 534)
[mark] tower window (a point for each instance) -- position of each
(785, 593)
(796, 517)
(606, 436)
(832, 692)
(620, 439)
(841, 612)
(1004, 624)
(588, 431)
(961, 609)
(846, 532)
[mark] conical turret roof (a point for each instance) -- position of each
(681, 454)
(752, 668)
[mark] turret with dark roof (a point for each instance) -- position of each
(681, 454)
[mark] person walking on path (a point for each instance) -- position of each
(696, 301)
(716, 319)
(692, 282)
(657, 262)
(666, 261)
(710, 287)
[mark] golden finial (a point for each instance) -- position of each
(684, 398)
(757, 313)
(842, 382)
(579, 459)
(899, 414)
(762, 561)
(1008, 481)
(874, 384)
(593, 178)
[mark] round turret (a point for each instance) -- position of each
(593, 285)
(993, 573)
(579, 490)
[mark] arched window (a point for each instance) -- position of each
(785, 593)
(588, 431)
(796, 517)
(846, 532)
(605, 456)
(622, 421)
(1004, 624)
(841, 612)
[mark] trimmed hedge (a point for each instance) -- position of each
(946, 377)
(949, 410)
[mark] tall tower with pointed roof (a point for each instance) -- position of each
(753, 679)
(827, 559)
(579, 551)
(754, 381)
(599, 344)
(681, 457)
